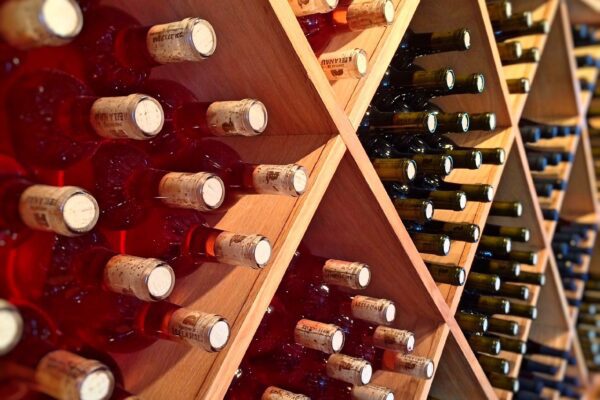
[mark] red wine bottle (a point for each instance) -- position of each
(120, 53)
(31, 349)
(26, 206)
(349, 16)
(188, 120)
(56, 120)
(184, 240)
(126, 185)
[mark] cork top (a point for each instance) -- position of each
(464, 121)
(462, 275)
(492, 120)
(428, 210)
(80, 211)
(287, 180)
(388, 11)
(450, 78)
(191, 39)
(446, 244)
(63, 18)
(12, 327)
(202, 191)
(431, 122)
(247, 117)
(447, 165)
(148, 115)
(96, 385)
(203, 37)
(219, 334)
(466, 37)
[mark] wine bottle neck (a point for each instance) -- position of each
(246, 117)
(67, 210)
(351, 275)
(376, 311)
(200, 191)
(191, 39)
(315, 335)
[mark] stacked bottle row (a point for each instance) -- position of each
(509, 27)
(322, 21)
(549, 157)
(107, 179)
(329, 344)
(404, 131)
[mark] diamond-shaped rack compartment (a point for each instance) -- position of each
(542, 10)
(556, 78)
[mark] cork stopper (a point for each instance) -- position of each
(344, 64)
(327, 338)
(11, 327)
(354, 371)
(385, 337)
(191, 39)
(428, 210)
(302, 8)
(64, 375)
(136, 116)
(202, 191)
(377, 311)
(68, 210)
(449, 78)
(351, 275)
(431, 122)
(210, 332)
(363, 15)
(252, 251)
(246, 117)
(148, 279)
(371, 392)
(275, 393)
(26, 24)
(286, 180)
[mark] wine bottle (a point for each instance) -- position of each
(506, 209)
(510, 52)
(530, 134)
(465, 84)
(474, 192)
(504, 382)
(483, 283)
(348, 16)
(431, 243)
(557, 184)
(31, 24)
(586, 61)
(116, 323)
(496, 244)
(517, 234)
(503, 268)
(504, 26)
(486, 122)
(537, 162)
(85, 263)
(401, 170)
(120, 53)
(546, 131)
(534, 347)
(471, 322)
(484, 344)
(523, 310)
(442, 199)
(512, 345)
(188, 120)
(452, 275)
(532, 278)
(184, 240)
(414, 209)
(31, 347)
(486, 305)
(455, 231)
(500, 9)
(511, 290)
(531, 365)
(398, 121)
(67, 210)
(531, 55)
(418, 80)
(502, 326)
(518, 85)
(408, 364)
(493, 364)
(302, 8)
(416, 45)
(537, 28)
(525, 257)
(543, 189)
(68, 121)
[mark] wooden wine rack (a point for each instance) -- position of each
(346, 212)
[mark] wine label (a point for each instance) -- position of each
(67, 376)
(12, 327)
(201, 191)
(207, 331)
(237, 118)
(275, 393)
(365, 14)
(352, 275)
(136, 116)
(344, 64)
(419, 367)
(252, 251)
(26, 24)
(148, 279)
(286, 180)
(309, 7)
(354, 371)
(377, 311)
(371, 392)
(67, 210)
(395, 169)
(327, 338)
(394, 339)
(191, 39)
